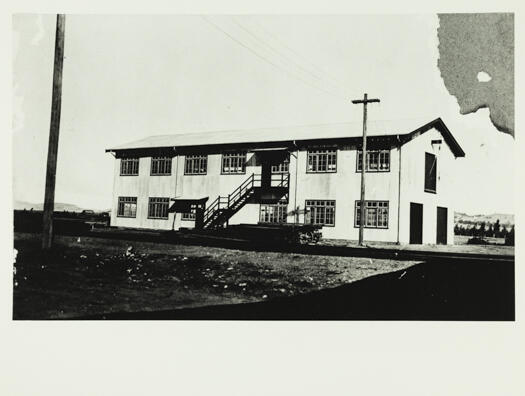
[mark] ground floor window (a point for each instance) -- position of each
(158, 208)
(273, 213)
(376, 214)
(321, 212)
(127, 207)
(188, 216)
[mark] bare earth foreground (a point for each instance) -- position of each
(90, 276)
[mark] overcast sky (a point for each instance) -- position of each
(126, 78)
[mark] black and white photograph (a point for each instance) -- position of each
(211, 167)
(259, 169)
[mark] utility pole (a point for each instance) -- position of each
(364, 101)
(56, 100)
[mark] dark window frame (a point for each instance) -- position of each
(357, 209)
(164, 159)
(433, 171)
(282, 167)
(319, 152)
(193, 159)
(161, 201)
(279, 206)
(124, 201)
(126, 162)
(234, 155)
(319, 200)
(359, 153)
(187, 216)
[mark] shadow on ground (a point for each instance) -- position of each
(439, 289)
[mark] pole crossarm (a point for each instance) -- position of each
(359, 101)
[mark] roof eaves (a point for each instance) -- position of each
(443, 129)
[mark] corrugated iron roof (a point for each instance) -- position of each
(281, 134)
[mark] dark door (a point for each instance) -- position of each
(416, 223)
(441, 231)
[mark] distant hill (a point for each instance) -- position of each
(463, 218)
(59, 207)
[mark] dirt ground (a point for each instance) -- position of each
(496, 246)
(87, 276)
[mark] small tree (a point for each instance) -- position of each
(504, 232)
(482, 230)
(497, 229)
(490, 231)
(509, 240)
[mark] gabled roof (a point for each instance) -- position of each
(405, 129)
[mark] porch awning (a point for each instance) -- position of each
(186, 204)
(255, 150)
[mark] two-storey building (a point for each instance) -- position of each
(308, 174)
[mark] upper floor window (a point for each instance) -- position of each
(158, 208)
(129, 166)
(233, 163)
(322, 161)
(376, 160)
(160, 166)
(281, 167)
(273, 213)
(376, 214)
(196, 165)
(127, 207)
(320, 212)
(430, 172)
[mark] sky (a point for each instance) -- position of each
(128, 77)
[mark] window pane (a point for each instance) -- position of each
(161, 165)
(320, 212)
(129, 166)
(376, 214)
(233, 163)
(322, 160)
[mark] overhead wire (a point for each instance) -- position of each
(283, 55)
(277, 39)
(254, 52)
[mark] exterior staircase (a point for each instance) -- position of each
(223, 208)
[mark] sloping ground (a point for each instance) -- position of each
(92, 276)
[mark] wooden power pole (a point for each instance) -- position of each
(56, 100)
(364, 101)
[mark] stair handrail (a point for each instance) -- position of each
(245, 185)
(282, 179)
(211, 207)
(222, 204)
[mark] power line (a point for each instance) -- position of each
(337, 81)
(269, 61)
(282, 54)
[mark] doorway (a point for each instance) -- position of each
(441, 224)
(416, 223)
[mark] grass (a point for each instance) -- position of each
(89, 276)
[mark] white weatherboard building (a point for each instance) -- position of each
(309, 174)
